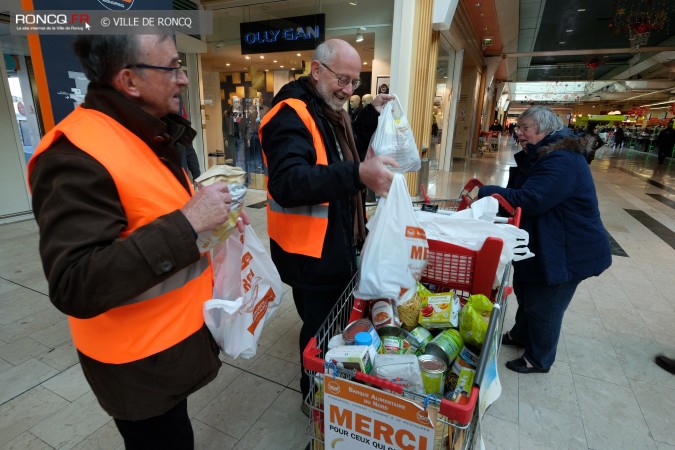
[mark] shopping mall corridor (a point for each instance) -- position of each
(603, 392)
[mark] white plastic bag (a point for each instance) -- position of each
(247, 291)
(393, 137)
(396, 249)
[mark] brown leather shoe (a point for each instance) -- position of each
(666, 363)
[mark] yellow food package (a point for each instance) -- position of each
(474, 319)
(439, 310)
(235, 179)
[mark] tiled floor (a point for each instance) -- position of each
(604, 391)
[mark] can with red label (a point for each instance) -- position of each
(382, 313)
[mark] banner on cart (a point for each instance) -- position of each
(360, 417)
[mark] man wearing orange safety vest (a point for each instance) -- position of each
(315, 211)
(118, 223)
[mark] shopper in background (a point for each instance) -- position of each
(496, 126)
(552, 183)
(665, 142)
(619, 137)
(315, 211)
(118, 226)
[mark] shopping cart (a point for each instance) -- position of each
(450, 267)
(507, 213)
(494, 140)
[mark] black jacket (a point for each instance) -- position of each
(296, 180)
(91, 269)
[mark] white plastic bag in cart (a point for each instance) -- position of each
(394, 137)
(247, 291)
(471, 233)
(396, 248)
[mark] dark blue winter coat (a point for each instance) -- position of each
(553, 185)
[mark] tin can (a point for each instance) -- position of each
(422, 336)
(392, 341)
(460, 377)
(433, 374)
(382, 313)
(445, 346)
(358, 326)
(410, 343)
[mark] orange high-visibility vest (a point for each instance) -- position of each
(301, 229)
(170, 311)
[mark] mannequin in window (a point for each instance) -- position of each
(354, 106)
(366, 100)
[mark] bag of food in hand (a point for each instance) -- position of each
(235, 179)
(394, 137)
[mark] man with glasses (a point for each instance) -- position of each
(315, 209)
(118, 226)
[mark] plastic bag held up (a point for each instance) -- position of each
(394, 137)
(396, 249)
(247, 291)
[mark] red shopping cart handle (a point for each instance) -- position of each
(462, 411)
(472, 183)
(379, 382)
(310, 357)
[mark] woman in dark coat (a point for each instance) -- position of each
(553, 185)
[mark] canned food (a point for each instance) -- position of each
(445, 346)
(433, 374)
(410, 344)
(422, 336)
(392, 341)
(460, 379)
(382, 313)
(469, 356)
(358, 326)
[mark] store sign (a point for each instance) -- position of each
(282, 35)
(359, 417)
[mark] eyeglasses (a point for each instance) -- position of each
(344, 80)
(524, 128)
(175, 70)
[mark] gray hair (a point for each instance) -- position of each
(544, 118)
(327, 51)
(102, 56)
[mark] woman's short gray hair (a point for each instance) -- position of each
(544, 118)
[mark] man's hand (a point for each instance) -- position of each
(210, 208)
(376, 175)
(380, 100)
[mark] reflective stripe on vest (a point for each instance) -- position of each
(301, 229)
(170, 311)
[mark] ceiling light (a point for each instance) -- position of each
(561, 42)
(281, 67)
(298, 54)
(581, 9)
(359, 34)
(274, 60)
(354, 3)
(365, 63)
(247, 57)
(262, 56)
(570, 30)
(227, 64)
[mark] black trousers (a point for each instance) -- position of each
(313, 308)
(171, 430)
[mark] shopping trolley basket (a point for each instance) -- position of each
(507, 213)
(451, 267)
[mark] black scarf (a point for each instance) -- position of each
(342, 127)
